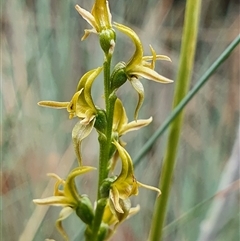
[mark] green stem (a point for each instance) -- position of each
(105, 143)
(98, 218)
(107, 66)
(105, 146)
(103, 162)
(182, 86)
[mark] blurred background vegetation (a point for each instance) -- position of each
(43, 58)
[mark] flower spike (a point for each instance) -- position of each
(113, 199)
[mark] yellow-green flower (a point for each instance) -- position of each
(121, 126)
(126, 184)
(68, 198)
(120, 121)
(138, 66)
(113, 218)
(99, 18)
(81, 106)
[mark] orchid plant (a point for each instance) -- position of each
(113, 204)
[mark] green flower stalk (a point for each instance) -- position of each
(114, 192)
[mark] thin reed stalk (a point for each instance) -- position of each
(189, 40)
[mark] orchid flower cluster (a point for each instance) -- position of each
(113, 204)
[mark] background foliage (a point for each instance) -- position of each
(43, 58)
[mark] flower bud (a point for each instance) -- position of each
(105, 187)
(107, 40)
(103, 232)
(101, 121)
(126, 206)
(88, 233)
(119, 76)
(112, 150)
(84, 210)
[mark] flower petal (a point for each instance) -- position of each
(125, 164)
(120, 117)
(138, 54)
(154, 55)
(79, 132)
(109, 216)
(153, 59)
(102, 14)
(149, 187)
(54, 200)
(70, 189)
(63, 215)
(87, 33)
(114, 197)
(135, 125)
(85, 107)
(150, 74)
(87, 16)
(53, 104)
(126, 207)
(72, 107)
(74, 173)
(59, 182)
(158, 57)
(133, 211)
(84, 79)
(137, 85)
(82, 108)
(88, 86)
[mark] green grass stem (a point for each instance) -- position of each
(189, 40)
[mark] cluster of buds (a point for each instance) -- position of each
(114, 190)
